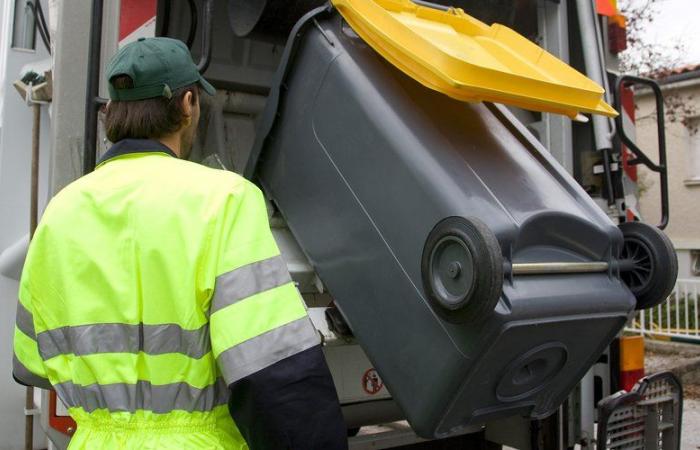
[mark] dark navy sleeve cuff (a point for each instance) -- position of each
(291, 404)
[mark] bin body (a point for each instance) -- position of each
(363, 162)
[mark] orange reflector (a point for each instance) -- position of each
(605, 8)
(631, 353)
(631, 361)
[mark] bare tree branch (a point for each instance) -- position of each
(646, 58)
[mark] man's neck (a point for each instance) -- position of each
(173, 143)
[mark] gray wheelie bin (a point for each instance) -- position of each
(477, 275)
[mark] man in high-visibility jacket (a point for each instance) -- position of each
(154, 299)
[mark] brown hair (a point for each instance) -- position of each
(151, 118)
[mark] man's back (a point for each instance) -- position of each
(119, 284)
(138, 228)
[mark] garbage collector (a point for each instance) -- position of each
(154, 299)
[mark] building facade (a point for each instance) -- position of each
(681, 90)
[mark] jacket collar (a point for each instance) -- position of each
(126, 146)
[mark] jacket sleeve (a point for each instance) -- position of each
(291, 404)
(259, 321)
(27, 365)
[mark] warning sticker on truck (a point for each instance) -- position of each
(372, 382)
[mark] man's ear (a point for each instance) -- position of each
(187, 104)
(106, 106)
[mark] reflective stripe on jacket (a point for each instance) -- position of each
(150, 286)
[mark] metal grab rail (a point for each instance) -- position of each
(640, 156)
(92, 98)
(208, 25)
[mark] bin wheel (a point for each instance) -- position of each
(462, 269)
(648, 263)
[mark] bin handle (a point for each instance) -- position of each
(640, 157)
(269, 114)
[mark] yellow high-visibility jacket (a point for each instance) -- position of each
(150, 286)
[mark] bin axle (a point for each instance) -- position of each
(543, 268)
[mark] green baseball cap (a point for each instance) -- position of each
(157, 66)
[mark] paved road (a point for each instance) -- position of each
(691, 425)
(671, 357)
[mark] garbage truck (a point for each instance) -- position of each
(452, 187)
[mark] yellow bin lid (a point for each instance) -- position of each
(458, 55)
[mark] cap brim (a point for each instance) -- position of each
(208, 88)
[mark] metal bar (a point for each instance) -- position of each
(609, 188)
(603, 129)
(697, 323)
(661, 136)
(193, 24)
(559, 267)
(34, 200)
(29, 419)
(587, 410)
(668, 316)
(207, 31)
(640, 156)
(92, 89)
(678, 310)
(561, 428)
(675, 337)
(595, 68)
(553, 26)
(686, 300)
(33, 221)
(165, 21)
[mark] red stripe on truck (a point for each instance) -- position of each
(133, 14)
(627, 100)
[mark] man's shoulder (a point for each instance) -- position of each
(187, 178)
(207, 180)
